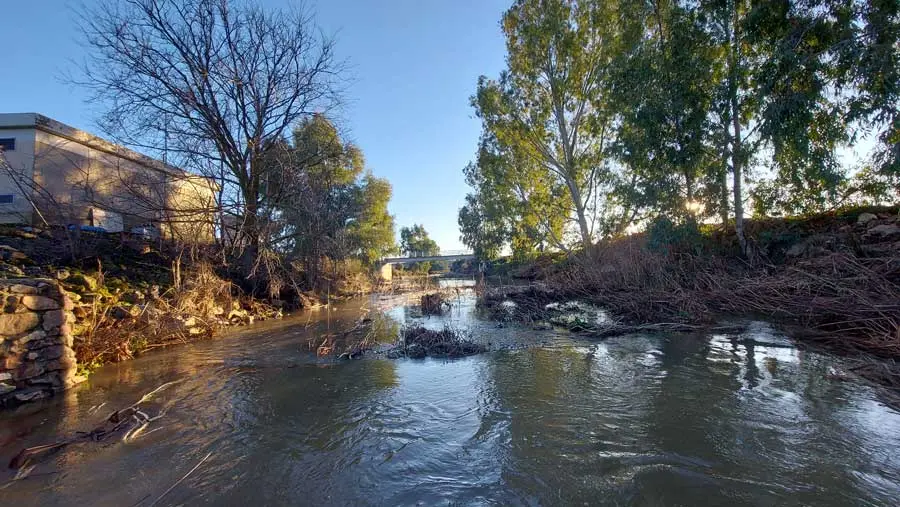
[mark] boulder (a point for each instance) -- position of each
(865, 218)
(23, 289)
(31, 394)
(53, 319)
(884, 231)
(39, 303)
(17, 323)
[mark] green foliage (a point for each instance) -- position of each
(414, 242)
(615, 111)
(665, 235)
(322, 202)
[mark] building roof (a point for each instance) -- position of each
(40, 122)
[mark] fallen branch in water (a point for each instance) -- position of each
(130, 417)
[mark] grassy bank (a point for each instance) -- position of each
(837, 275)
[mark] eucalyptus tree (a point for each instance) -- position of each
(549, 105)
(663, 87)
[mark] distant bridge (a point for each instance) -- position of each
(387, 271)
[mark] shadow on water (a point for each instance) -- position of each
(634, 420)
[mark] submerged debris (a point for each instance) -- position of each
(433, 304)
(418, 342)
(130, 422)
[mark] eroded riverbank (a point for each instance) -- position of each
(546, 417)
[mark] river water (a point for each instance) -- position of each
(544, 419)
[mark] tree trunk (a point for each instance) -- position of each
(582, 218)
(737, 148)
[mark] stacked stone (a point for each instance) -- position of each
(36, 357)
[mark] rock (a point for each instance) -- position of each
(53, 319)
(54, 352)
(23, 289)
(865, 218)
(884, 231)
(29, 370)
(39, 303)
(9, 268)
(796, 250)
(12, 302)
(5, 376)
(6, 389)
(31, 394)
(17, 323)
(10, 254)
(35, 335)
(83, 280)
(9, 362)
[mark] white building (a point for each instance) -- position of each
(73, 177)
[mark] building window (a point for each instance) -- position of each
(7, 143)
(6, 198)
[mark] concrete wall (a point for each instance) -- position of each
(36, 357)
(73, 172)
(21, 160)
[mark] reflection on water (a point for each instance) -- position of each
(635, 420)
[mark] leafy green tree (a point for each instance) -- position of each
(372, 230)
(414, 242)
(321, 202)
(548, 106)
(663, 86)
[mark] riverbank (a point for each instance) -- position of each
(836, 275)
(125, 296)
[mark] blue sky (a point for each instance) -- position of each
(413, 66)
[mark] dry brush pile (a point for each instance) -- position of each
(843, 285)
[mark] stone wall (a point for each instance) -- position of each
(36, 357)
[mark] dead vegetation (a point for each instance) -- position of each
(838, 278)
(419, 342)
(433, 304)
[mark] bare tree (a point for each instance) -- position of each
(208, 84)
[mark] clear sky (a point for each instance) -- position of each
(413, 63)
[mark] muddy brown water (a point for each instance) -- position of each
(544, 419)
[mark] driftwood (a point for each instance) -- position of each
(132, 420)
